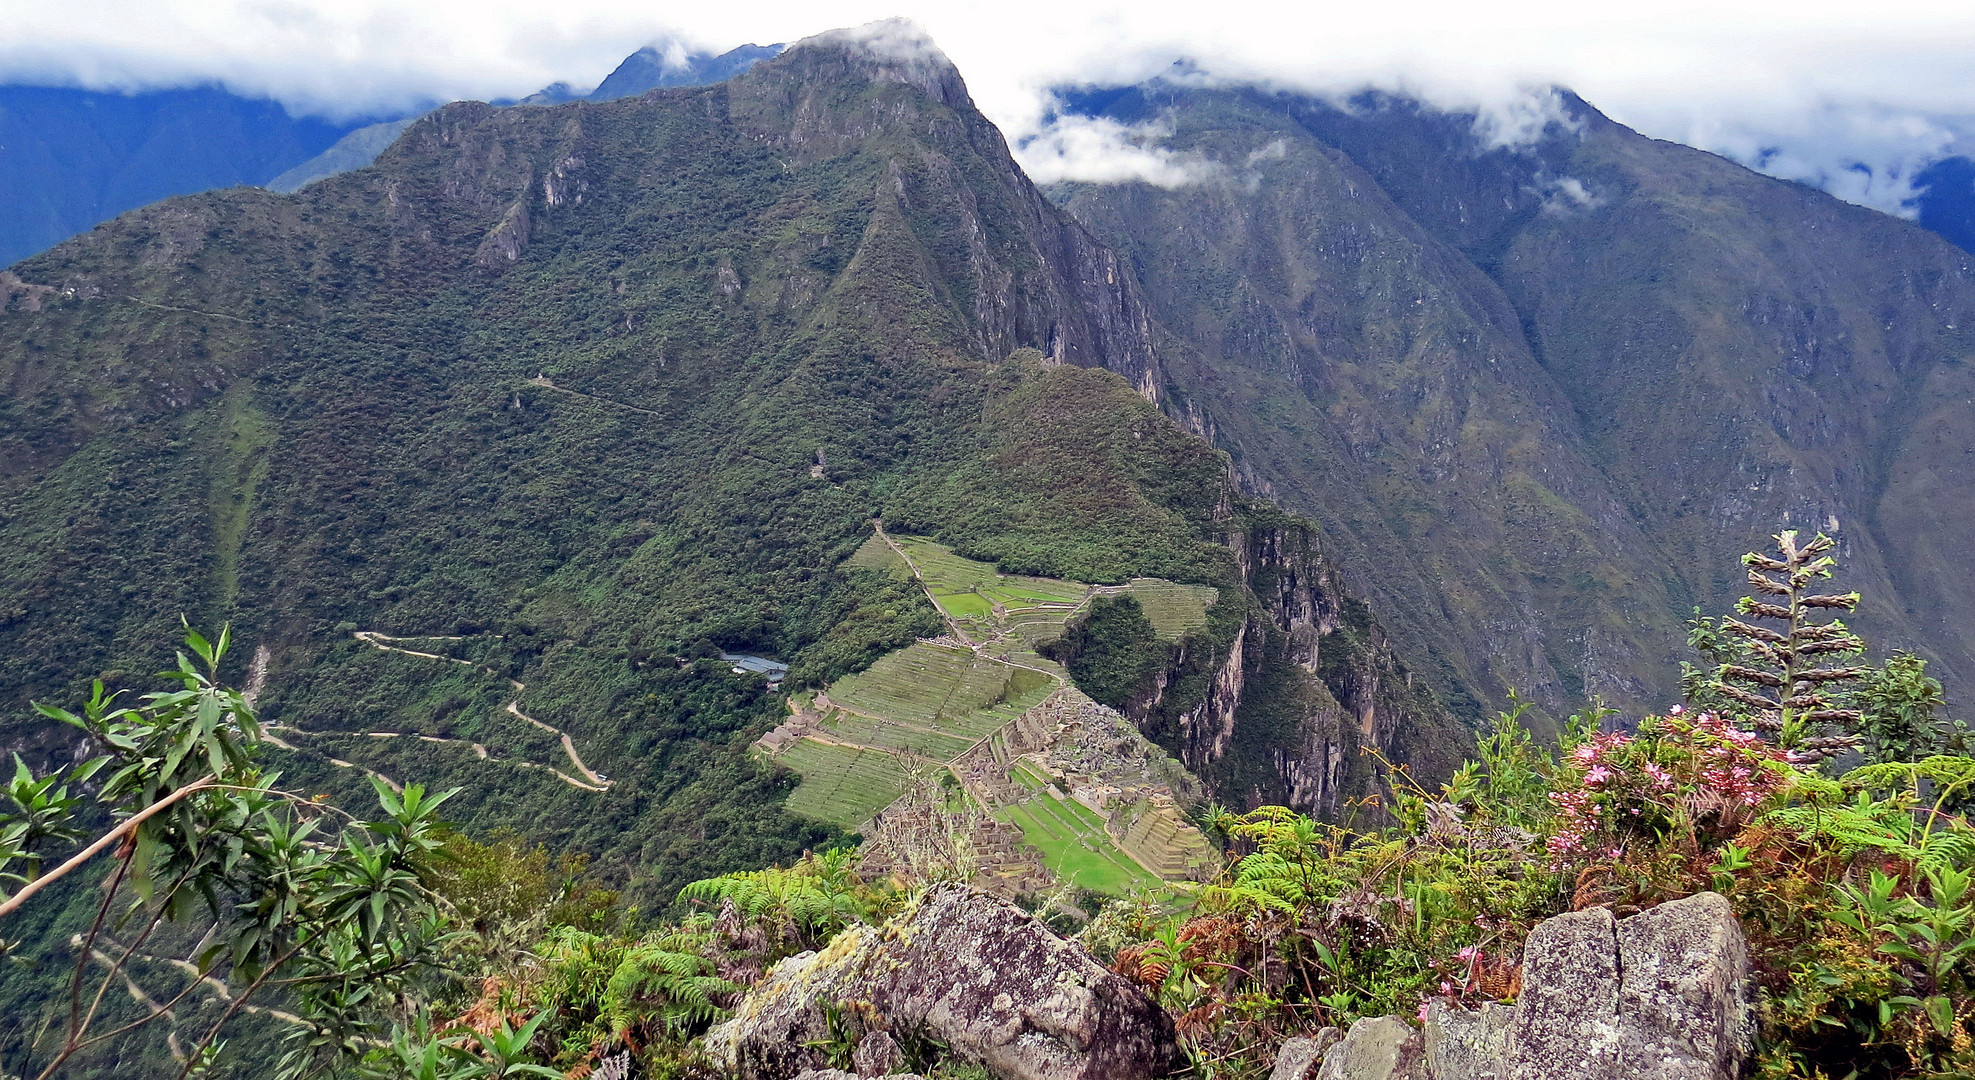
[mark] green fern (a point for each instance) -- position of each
(657, 984)
(815, 898)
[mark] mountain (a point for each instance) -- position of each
(1542, 396)
(71, 158)
(484, 445)
(646, 69)
(652, 69)
(353, 151)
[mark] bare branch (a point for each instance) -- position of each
(104, 841)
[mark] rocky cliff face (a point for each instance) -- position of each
(1018, 271)
(1306, 681)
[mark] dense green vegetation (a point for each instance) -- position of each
(1113, 651)
(410, 952)
(320, 415)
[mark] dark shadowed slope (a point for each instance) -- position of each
(71, 158)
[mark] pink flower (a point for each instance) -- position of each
(1676, 710)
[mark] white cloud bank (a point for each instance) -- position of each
(1852, 98)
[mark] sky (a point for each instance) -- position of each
(1854, 98)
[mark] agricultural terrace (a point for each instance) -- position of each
(943, 688)
(863, 741)
(844, 785)
(1174, 610)
(878, 555)
(988, 603)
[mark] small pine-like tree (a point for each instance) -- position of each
(1789, 675)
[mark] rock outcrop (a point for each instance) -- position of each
(1300, 1058)
(1663, 994)
(985, 979)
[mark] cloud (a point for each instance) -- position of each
(1104, 151)
(1522, 119)
(1568, 194)
(1850, 97)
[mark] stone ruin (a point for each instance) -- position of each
(923, 836)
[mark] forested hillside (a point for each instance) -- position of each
(576, 395)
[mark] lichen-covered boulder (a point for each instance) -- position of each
(1468, 1044)
(1684, 993)
(1566, 1019)
(983, 977)
(1377, 1048)
(877, 1054)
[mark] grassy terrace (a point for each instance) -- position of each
(875, 554)
(1173, 610)
(943, 689)
(969, 589)
(865, 731)
(844, 785)
(1075, 846)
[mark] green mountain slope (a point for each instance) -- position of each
(575, 395)
(1542, 396)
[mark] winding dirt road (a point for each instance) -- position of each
(595, 782)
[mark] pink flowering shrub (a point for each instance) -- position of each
(1691, 780)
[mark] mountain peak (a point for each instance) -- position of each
(897, 51)
(670, 64)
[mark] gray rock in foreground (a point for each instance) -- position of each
(1664, 994)
(1377, 1048)
(1300, 1057)
(985, 978)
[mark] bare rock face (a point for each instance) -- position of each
(1663, 994)
(985, 978)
